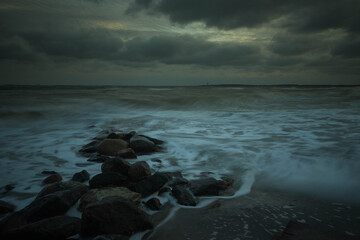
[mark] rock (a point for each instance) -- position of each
(127, 153)
(111, 147)
(113, 136)
(111, 237)
(176, 178)
(81, 176)
(60, 186)
(118, 165)
(52, 179)
(183, 196)
(113, 215)
(101, 137)
(59, 227)
(205, 187)
(150, 185)
(96, 195)
(153, 204)
(99, 159)
(48, 172)
(108, 179)
(154, 140)
(90, 147)
(126, 137)
(6, 207)
(164, 190)
(51, 205)
(138, 171)
(142, 144)
(225, 183)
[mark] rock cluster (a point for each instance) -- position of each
(110, 203)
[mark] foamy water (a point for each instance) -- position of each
(299, 139)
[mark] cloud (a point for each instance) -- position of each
(301, 15)
(348, 47)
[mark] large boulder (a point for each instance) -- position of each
(50, 205)
(6, 207)
(81, 176)
(90, 147)
(59, 227)
(96, 195)
(60, 186)
(113, 215)
(127, 153)
(183, 196)
(111, 147)
(108, 179)
(138, 171)
(205, 187)
(118, 165)
(142, 144)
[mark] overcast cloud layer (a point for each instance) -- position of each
(179, 42)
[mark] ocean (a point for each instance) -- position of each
(299, 139)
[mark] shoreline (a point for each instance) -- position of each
(262, 214)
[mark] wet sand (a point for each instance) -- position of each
(263, 214)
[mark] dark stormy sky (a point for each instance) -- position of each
(179, 42)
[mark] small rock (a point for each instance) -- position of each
(153, 204)
(111, 147)
(59, 227)
(139, 171)
(113, 215)
(127, 153)
(6, 207)
(81, 176)
(96, 195)
(118, 165)
(150, 185)
(52, 179)
(142, 144)
(48, 172)
(108, 179)
(183, 196)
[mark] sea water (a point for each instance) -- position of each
(298, 139)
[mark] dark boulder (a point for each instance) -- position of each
(183, 196)
(6, 207)
(176, 178)
(113, 215)
(59, 227)
(127, 153)
(150, 185)
(61, 186)
(205, 187)
(113, 136)
(126, 137)
(138, 171)
(154, 140)
(52, 179)
(90, 147)
(142, 144)
(111, 147)
(81, 176)
(153, 204)
(118, 165)
(108, 179)
(96, 195)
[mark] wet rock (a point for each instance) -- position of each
(138, 171)
(183, 196)
(126, 137)
(205, 187)
(225, 183)
(81, 176)
(113, 136)
(176, 178)
(153, 204)
(52, 179)
(59, 227)
(108, 179)
(6, 207)
(127, 153)
(96, 195)
(90, 147)
(142, 144)
(154, 140)
(150, 185)
(164, 190)
(61, 186)
(50, 205)
(99, 159)
(46, 172)
(113, 215)
(111, 147)
(111, 237)
(118, 165)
